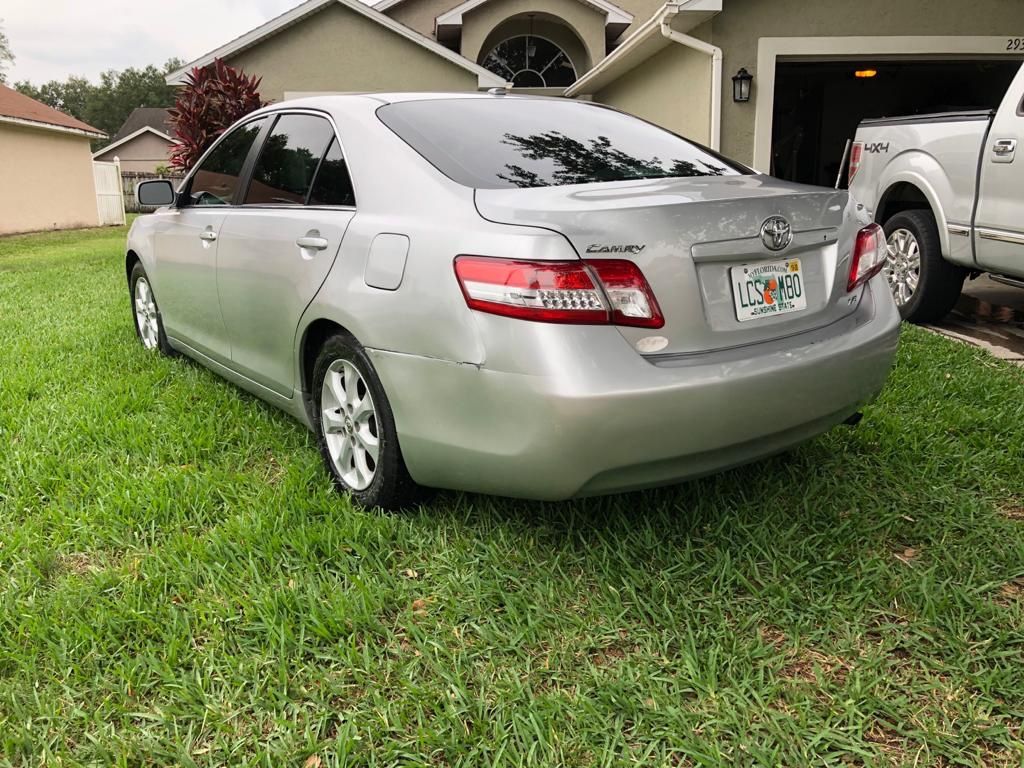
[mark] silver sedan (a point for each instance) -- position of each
(512, 295)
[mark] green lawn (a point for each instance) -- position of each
(180, 586)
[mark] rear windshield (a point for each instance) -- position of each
(519, 142)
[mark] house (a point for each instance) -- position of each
(46, 167)
(143, 143)
(778, 84)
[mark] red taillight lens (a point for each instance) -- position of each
(856, 151)
(631, 298)
(868, 257)
(597, 292)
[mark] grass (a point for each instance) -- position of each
(180, 586)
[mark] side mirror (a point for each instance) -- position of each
(155, 192)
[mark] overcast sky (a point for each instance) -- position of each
(51, 39)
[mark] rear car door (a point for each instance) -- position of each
(186, 245)
(999, 222)
(276, 249)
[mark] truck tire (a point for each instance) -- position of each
(924, 285)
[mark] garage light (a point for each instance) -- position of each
(741, 85)
(865, 73)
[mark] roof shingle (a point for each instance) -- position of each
(143, 117)
(21, 107)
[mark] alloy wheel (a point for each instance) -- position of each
(903, 267)
(350, 424)
(145, 314)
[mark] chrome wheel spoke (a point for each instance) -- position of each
(146, 314)
(349, 424)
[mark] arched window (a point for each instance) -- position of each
(528, 61)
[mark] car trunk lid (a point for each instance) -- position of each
(692, 238)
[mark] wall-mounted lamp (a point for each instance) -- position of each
(741, 85)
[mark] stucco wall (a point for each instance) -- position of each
(47, 180)
(669, 89)
(340, 50)
(588, 25)
(420, 14)
(737, 29)
(143, 153)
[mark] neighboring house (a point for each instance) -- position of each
(45, 167)
(817, 67)
(143, 143)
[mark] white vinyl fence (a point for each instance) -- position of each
(109, 196)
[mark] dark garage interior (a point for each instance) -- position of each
(819, 104)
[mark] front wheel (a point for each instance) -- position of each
(355, 428)
(924, 285)
(149, 325)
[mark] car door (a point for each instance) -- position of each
(276, 249)
(999, 222)
(186, 244)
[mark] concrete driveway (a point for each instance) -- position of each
(989, 315)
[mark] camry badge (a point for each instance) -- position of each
(598, 248)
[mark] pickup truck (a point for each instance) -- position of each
(948, 189)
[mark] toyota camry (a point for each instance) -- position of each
(512, 295)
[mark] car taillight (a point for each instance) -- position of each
(595, 292)
(856, 151)
(869, 255)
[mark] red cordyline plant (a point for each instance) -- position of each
(213, 98)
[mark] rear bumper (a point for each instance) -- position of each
(573, 410)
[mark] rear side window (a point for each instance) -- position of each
(333, 185)
(283, 174)
(216, 181)
(495, 143)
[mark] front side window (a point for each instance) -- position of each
(216, 180)
(288, 161)
(495, 143)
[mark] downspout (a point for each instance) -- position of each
(716, 74)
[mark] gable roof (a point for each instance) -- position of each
(156, 118)
(132, 136)
(20, 109)
(613, 14)
(485, 78)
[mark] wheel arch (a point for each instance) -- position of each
(130, 260)
(907, 188)
(311, 340)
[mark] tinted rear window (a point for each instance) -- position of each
(518, 142)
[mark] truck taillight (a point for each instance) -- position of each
(868, 257)
(598, 292)
(856, 152)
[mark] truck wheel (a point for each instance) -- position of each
(924, 284)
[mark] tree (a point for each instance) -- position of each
(213, 98)
(108, 104)
(6, 57)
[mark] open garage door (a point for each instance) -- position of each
(818, 104)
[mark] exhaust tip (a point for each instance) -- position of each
(854, 420)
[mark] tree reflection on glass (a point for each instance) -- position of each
(571, 161)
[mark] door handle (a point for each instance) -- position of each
(1004, 147)
(208, 235)
(312, 243)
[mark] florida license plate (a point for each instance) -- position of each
(767, 289)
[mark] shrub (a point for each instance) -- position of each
(213, 98)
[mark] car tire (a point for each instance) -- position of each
(925, 286)
(355, 428)
(149, 325)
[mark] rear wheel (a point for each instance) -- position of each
(924, 285)
(355, 428)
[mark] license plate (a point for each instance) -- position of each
(767, 289)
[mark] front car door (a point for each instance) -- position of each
(999, 222)
(276, 249)
(186, 244)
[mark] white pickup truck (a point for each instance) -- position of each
(949, 191)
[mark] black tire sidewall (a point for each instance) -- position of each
(391, 488)
(940, 282)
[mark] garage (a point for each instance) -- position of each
(819, 103)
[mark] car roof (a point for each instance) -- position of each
(326, 101)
